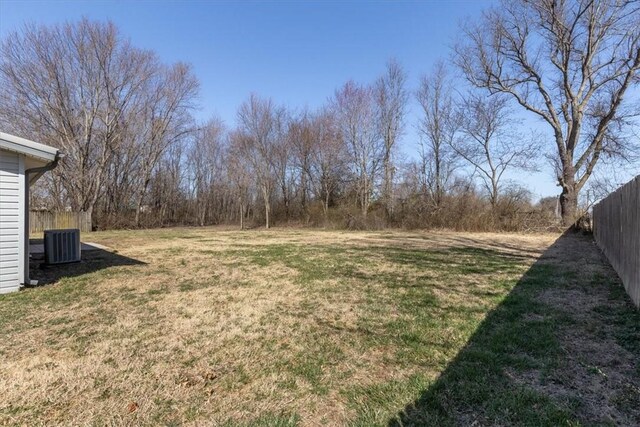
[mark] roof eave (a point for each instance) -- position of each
(27, 147)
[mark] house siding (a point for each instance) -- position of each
(11, 214)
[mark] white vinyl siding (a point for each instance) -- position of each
(11, 216)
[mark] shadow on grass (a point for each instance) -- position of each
(92, 260)
(534, 359)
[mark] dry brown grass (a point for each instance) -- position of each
(224, 327)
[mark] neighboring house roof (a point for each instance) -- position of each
(28, 148)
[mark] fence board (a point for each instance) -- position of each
(44, 220)
(616, 228)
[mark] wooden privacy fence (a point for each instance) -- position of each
(616, 227)
(44, 220)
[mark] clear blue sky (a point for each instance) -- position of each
(298, 53)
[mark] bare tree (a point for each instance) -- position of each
(355, 113)
(239, 173)
(570, 63)
(165, 119)
(488, 142)
(391, 99)
(328, 158)
(301, 141)
(113, 109)
(260, 125)
(168, 200)
(72, 86)
(136, 157)
(282, 159)
(438, 125)
(206, 166)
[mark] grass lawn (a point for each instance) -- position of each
(306, 327)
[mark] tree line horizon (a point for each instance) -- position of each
(136, 155)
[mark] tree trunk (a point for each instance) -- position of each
(203, 215)
(569, 195)
(267, 205)
(138, 208)
(494, 192)
(285, 198)
(365, 198)
(569, 205)
(388, 179)
(303, 193)
(438, 198)
(365, 207)
(325, 208)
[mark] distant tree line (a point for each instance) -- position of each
(136, 157)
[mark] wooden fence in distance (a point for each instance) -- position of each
(44, 220)
(616, 228)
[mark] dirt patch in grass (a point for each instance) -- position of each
(278, 327)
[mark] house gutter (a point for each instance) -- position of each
(39, 170)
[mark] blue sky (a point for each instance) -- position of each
(298, 53)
